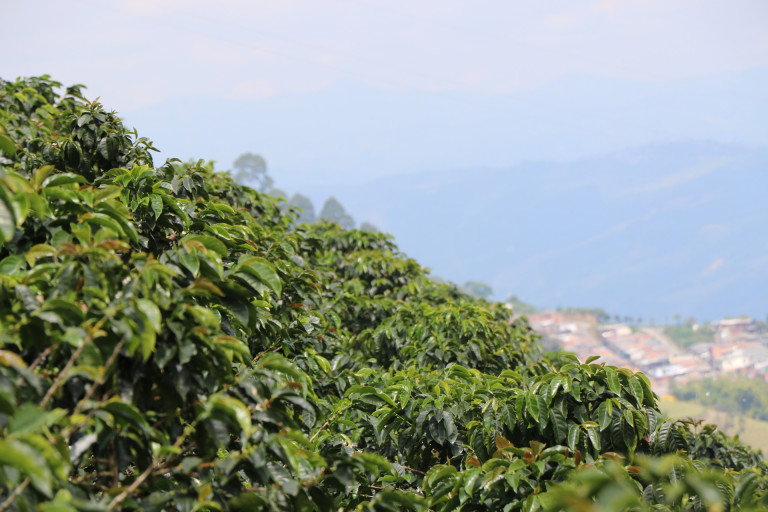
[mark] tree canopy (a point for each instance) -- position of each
(171, 340)
(251, 169)
(333, 211)
(307, 213)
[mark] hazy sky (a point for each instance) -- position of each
(338, 92)
(133, 53)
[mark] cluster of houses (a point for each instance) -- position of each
(738, 346)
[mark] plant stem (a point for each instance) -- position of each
(147, 472)
(327, 422)
(15, 494)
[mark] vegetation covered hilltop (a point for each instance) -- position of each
(170, 340)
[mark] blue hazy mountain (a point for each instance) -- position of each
(646, 199)
(676, 228)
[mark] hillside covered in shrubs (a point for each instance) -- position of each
(170, 340)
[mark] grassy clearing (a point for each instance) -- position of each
(685, 335)
(752, 432)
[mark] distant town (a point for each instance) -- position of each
(666, 354)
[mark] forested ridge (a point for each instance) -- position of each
(734, 395)
(171, 340)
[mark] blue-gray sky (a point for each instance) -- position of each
(133, 53)
(644, 108)
(138, 55)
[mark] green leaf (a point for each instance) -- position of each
(541, 397)
(554, 386)
(28, 461)
(471, 477)
(629, 417)
(151, 312)
(12, 359)
(559, 424)
(451, 432)
(648, 396)
(264, 271)
(177, 207)
(637, 390)
(120, 213)
(508, 415)
(63, 178)
(209, 242)
(106, 193)
(613, 381)
(7, 146)
(11, 264)
(7, 217)
(519, 405)
(190, 261)
(145, 340)
(156, 203)
(325, 365)
(604, 414)
(66, 310)
(206, 286)
(573, 436)
(594, 438)
(617, 436)
(576, 390)
(629, 434)
(278, 363)
(235, 409)
(493, 476)
(127, 413)
(106, 221)
(27, 419)
(233, 344)
(39, 251)
(373, 463)
(39, 175)
(438, 473)
(532, 405)
(360, 391)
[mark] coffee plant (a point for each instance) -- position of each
(170, 340)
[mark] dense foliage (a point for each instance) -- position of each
(170, 340)
(748, 397)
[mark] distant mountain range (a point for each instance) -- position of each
(645, 199)
(352, 132)
(677, 228)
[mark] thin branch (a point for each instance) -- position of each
(264, 352)
(413, 469)
(112, 463)
(75, 355)
(135, 485)
(103, 374)
(147, 472)
(37, 361)
(327, 422)
(63, 373)
(15, 494)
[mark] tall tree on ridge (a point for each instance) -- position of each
(333, 211)
(307, 213)
(251, 170)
